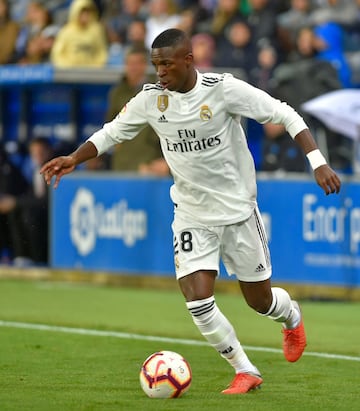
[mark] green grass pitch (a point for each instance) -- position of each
(50, 370)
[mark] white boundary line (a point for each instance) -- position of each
(118, 334)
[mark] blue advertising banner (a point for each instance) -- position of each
(112, 223)
(123, 224)
(313, 238)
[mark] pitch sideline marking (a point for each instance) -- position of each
(118, 334)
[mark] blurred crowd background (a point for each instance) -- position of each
(293, 49)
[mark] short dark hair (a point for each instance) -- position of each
(169, 38)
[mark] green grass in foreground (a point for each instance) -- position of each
(45, 370)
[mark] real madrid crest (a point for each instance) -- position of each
(162, 102)
(205, 113)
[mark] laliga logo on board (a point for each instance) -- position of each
(82, 221)
(90, 220)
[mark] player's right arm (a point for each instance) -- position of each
(62, 165)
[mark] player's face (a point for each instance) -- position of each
(174, 67)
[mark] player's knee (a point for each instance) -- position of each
(260, 305)
(198, 285)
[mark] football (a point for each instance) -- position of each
(165, 374)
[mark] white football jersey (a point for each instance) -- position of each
(203, 142)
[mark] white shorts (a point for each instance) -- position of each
(242, 247)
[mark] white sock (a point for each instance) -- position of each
(221, 335)
(282, 309)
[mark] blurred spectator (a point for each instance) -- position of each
(136, 34)
(330, 47)
(37, 19)
(304, 45)
(225, 13)
(236, 49)
(143, 153)
(9, 30)
(117, 25)
(281, 153)
(38, 48)
(352, 29)
(244, 7)
(100, 6)
(18, 10)
(337, 11)
(57, 8)
(12, 183)
(304, 76)
(203, 45)
(262, 21)
(81, 42)
(135, 38)
(28, 212)
(231, 39)
(110, 8)
(202, 12)
(352, 46)
(163, 14)
(33, 51)
(208, 5)
(187, 21)
(290, 21)
(262, 72)
(47, 39)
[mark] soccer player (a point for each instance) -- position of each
(197, 118)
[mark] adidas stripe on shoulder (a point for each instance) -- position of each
(149, 87)
(211, 79)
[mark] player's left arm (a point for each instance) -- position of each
(324, 175)
(249, 101)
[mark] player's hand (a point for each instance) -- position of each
(57, 167)
(327, 179)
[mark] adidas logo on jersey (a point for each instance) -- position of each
(259, 268)
(162, 119)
